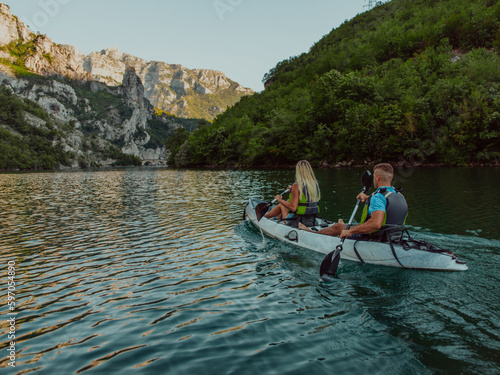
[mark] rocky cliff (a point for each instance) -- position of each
(200, 93)
(95, 123)
(98, 106)
(37, 53)
(11, 29)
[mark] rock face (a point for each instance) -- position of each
(123, 122)
(198, 93)
(11, 29)
(106, 101)
(44, 57)
(53, 59)
(172, 88)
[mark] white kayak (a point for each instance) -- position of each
(406, 253)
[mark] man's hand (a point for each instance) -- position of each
(363, 197)
(345, 233)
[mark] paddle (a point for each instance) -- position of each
(331, 262)
(262, 208)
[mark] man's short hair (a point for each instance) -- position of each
(386, 170)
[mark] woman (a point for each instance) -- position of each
(302, 206)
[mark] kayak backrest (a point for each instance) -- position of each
(390, 233)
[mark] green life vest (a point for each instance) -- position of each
(306, 207)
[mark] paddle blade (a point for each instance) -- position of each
(330, 264)
(367, 180)
(261, 209)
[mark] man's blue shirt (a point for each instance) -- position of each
(378, 201)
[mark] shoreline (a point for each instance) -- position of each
(325, 165)
(346, 165)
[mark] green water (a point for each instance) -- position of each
(153, 271)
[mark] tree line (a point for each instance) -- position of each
(410, 80)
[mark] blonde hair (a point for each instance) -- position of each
(305, 177)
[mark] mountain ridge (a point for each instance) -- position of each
(173, 88)
(413, 82)
(170, 87)
(54, 114)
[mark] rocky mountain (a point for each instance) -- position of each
(39, 55)
(95, 125)
(11, 29)
(48, 96)
(187, 93)
(199, 93)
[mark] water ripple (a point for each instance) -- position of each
(152, 270)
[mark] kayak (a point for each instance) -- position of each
(404, 253)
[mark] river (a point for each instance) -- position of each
(153, 271)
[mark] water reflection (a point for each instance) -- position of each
(153, 270)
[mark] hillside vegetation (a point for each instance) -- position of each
(40, 143)
(26, 146)
(413, 81)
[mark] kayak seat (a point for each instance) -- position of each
(389, 233)
(307, 220)
(322, 222)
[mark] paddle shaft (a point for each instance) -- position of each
(331, 261)
(275, 200)
(263, 208)
(338, 249)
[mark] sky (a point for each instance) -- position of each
(244, 39)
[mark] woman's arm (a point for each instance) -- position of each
(294, 202)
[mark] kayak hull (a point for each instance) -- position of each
(371, 252)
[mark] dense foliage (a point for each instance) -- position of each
(159, 132)
(25, 146)
(410, 80)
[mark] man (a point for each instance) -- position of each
(386, 206)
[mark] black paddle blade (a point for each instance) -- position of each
(261, 209)
(329, 266)
(367, 180)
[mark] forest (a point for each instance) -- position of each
(412, 81)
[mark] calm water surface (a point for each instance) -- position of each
(152, 271)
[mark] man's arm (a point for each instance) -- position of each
(374, 223)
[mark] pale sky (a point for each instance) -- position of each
(242, 38)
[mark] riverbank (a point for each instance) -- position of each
(350, 164)
(324, 165)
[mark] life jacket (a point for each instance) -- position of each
(396, 210)
(306, 207)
